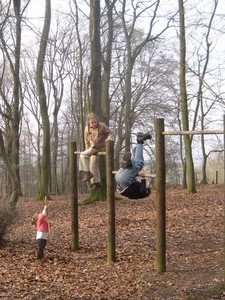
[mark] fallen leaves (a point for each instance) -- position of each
(194, 250)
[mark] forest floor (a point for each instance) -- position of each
(194, 260)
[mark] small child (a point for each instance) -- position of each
(95, 136)
(43, 226)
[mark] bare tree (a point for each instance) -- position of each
(31, 103)
(81, 74)
(134, 47)
(107, 61)
(45, 171)
(11, 112)
(14, 63)
(183, 92)
(56, 72)
(200, 94)
(95, 76)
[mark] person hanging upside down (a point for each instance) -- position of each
(95, 136)
(127, 185)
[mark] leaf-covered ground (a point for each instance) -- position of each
(194, 267)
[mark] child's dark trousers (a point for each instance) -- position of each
(41, 243)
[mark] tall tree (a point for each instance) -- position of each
(81, 75)
(96, 82)
(203, 59)
(107, 61)
(10, 36)
(45, 171)
(95, 77)
(14, 62)
(31, 102)
(16, 90)
(58, 53)
(134, 47)
(184, 104)
(96, 85)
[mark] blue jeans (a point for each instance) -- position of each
(125, 177)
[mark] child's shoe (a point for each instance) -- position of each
(141, 137)
(87, 176)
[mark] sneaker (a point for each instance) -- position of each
(141, 137)
(96, 186)
(126, 163)
(87, 176)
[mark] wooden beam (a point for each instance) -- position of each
(99, 153)
(142, 175)
(193, 132)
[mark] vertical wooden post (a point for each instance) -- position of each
(160, 197)
(110, 200)
(74, 197)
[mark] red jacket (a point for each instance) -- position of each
(42, 223)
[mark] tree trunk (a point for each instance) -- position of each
(16, 92)
(57, 104)
(187, 141)
(204, 163)
(133, 51)
(96, 85)
(200, 93)
(130, 63)
(80, 83)
(128, 114)
(95, 59)
(107, 65)
(184, 179)
(13, 177)
(45, 171)
(55, 186)
(120, 139)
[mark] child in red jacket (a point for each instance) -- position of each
(42, 232)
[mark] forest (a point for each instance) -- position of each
(130, 62)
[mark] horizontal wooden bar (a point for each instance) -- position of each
(193, 132)
(142, 175)
(98, 153)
